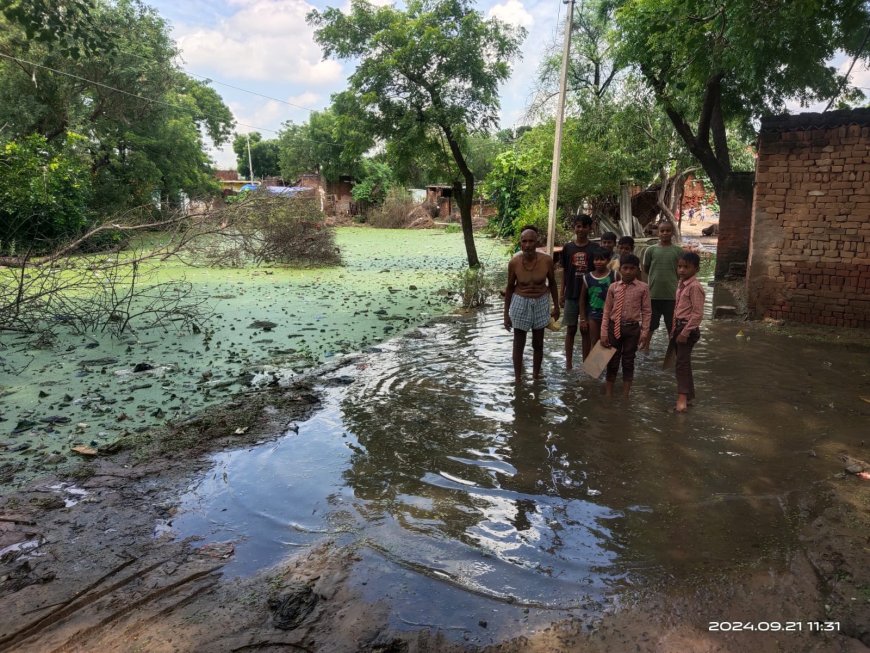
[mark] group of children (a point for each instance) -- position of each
(604, 297)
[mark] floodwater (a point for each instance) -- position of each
(84, 389)
(468, 495)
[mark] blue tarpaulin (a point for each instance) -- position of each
(289, 191)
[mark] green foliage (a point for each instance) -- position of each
(614, 138)
(331, 143)
(715, 65)
(264, 155)
(44, 192)
(376, 181)
(475, 287)
(504, 186)
(67, 25)
(144, 138)
(428, 72)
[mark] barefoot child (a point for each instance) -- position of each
(576, 261)
(625, 323)
(526, 305)
(688, 313)
(593, 293)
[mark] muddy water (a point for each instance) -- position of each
(469, 494)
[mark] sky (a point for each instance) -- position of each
(266, 47)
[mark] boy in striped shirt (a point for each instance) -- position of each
(625, 324)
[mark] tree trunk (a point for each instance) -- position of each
(735, 220)
(465, 199)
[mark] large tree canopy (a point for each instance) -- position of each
(143, 119)
(428, 76)
(713, 63)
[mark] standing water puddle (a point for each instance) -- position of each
(459, 484)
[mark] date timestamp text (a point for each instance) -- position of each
(774, 626)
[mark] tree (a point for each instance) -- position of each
(44, 193)
(332, 143)
(713, 63)
(428, 75)
(264, 155)
(610, 138)
(591, 67)
(143, 119)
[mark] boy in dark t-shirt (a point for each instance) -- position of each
(576, 261)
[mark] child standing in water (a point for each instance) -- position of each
(625, 324)
(593, 293)
(660, 266)
(576, 261)
(688, 312)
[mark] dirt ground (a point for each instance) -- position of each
(92, 572)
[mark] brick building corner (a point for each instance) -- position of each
(809, 257)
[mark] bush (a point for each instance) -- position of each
(537, 213)
(265, 228)
(475, 287)
(393, 213)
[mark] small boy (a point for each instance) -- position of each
(688, 312)
(625, 246)
(576, 261)
(625, 323)
(660, 266)
(593, 294)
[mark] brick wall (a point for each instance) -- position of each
(810, 243)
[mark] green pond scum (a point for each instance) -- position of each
(265, 324)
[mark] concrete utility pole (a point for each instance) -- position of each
(560, 115)
(250, 165)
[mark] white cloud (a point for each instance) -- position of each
(512, 12)
(265, 40)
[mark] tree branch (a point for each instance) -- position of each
(712, 97)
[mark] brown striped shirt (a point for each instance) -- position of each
(690, 303)
(636, 306)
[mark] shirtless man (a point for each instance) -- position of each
(530, 277)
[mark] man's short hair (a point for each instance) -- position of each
(583, 219)
(608, 235)
(626, 240)
(531, 227)
(629, 259)
(691, 257)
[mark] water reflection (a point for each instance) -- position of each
(544, 494)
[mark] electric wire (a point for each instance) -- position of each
(152, 100)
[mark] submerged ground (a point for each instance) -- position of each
(411, 497)
(83, 389)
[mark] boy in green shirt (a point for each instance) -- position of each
(660, 267)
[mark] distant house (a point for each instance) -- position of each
(335, 196)
(441, 195)
(230, 181)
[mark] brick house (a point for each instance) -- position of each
(810, 241)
